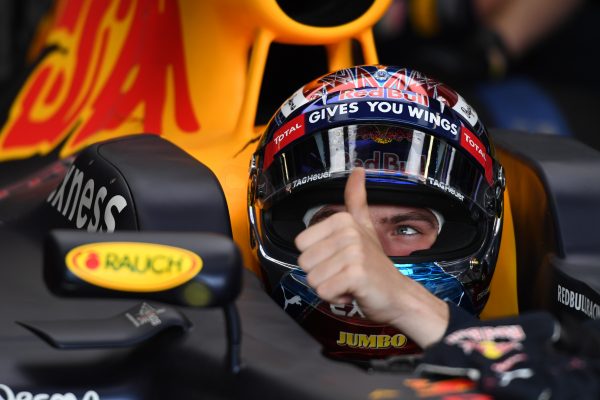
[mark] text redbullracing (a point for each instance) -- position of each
(384, 107)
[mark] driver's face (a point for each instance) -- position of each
(401, 230)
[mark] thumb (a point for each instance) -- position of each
(355, 197)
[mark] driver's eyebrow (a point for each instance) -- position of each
(410, 216)
(322, 214)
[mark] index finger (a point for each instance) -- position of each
(321, 230)
(313, 234)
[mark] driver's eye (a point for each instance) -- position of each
(405, 230)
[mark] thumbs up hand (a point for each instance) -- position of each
(344, 260)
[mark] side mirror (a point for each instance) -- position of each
(186, 269)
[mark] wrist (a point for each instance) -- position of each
(420, 315)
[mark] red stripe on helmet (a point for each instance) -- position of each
(285, 135)
(473, 145)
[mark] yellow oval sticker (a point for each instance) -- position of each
(133, 266)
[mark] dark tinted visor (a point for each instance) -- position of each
(391, 155)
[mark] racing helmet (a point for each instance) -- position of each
(421, 145)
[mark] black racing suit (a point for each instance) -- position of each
(531, 356)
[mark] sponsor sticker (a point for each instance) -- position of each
(470, 142)
(284, 136)
(506, 365)
(385, 93)
(294, 102)
(443, 123)
(90, 208)
(146, 315)
(133, 266)
(490, 349)
(385, 161)
(310, 178)
(446, 188)
(366, 341)
(6, 393)
(578, 302)
(493, 343)
(491, 333)
(347, 310)
(294, 300)
(466, 111)
(386, 136)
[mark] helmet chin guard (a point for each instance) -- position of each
(421, 145)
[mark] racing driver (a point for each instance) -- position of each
(435, 195)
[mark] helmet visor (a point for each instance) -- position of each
(392, 156)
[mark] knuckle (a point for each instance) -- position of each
(355, 251)
(323, 292)
(302, 261)
(312, 281)
(355, 271)
(342, 219)
(349, 232)
(298, 242)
